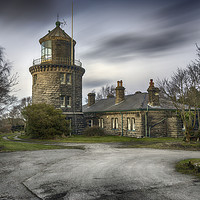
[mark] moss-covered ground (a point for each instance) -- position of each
(189, 166)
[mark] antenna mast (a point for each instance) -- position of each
(72, 52)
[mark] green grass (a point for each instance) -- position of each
(128, 142)
(104, 139)
(8, 146)
(186, 168)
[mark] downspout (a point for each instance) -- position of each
(146, 122)
(122, 124)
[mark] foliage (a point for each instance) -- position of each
(44, 121)
(7, 81)
(94, 131)
(13, 120)
(183, 89)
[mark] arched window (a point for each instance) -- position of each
(101, 123)
(114, 123)
(90, 123)
(131, 124)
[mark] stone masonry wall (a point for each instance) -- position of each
(107, 118)
(47, 88)
(166, 123)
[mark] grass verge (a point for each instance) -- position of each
(189, 166)
(128, 142)
(9, 146)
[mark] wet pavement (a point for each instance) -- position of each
(101, 171)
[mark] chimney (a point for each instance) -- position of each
(119, 92)
(91, 99)
(153, 94)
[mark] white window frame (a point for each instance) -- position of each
(102, 123)
(116, 123)
(62, 101)
(133, 123)
(69, 101)
(129, 124)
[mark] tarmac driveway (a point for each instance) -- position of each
(99, 172)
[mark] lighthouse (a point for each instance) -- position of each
(57, 76)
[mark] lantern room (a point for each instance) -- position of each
(56, 48)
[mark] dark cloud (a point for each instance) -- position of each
(132, 44)
(179, 12)
(94, 83)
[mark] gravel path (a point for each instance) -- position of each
(101, 171)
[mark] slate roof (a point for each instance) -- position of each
(137, 101)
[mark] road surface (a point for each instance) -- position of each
(100, 172)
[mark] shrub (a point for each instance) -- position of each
(44, 121)
(94, 131)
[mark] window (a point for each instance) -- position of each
(34, 79)
(133, 124)
(130, 124)
(46, 51)
(69, 79)
(101, 123)
(90, 123)
(62, 101)
(69, 101)
(114, 123)
(62, 78)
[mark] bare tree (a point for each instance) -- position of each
(105, 91)
(7, 81)
(183, 89)
(16, 111)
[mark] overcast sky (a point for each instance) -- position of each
(129, 40)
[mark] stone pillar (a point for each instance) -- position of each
(153, 94)
(91, 99)
(119, 92)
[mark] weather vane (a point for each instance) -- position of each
(63, 23)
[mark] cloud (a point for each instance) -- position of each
(94, 83)
(129, 45)
(179, 13)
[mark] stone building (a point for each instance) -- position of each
(57, 76)
(136, 115)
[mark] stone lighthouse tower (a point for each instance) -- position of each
(57, 76)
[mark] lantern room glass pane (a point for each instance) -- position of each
(46, 51)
